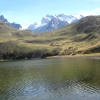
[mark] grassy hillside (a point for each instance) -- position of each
(78, 38)
(16, 44)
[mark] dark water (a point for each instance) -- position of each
(50, 79)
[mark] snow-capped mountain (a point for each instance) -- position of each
(53, 22)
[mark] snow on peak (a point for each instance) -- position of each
(59, 20)
(62, 17)
(44, 20)
(32, 26)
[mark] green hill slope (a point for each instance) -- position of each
(82, 37)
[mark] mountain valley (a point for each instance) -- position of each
(80, 38)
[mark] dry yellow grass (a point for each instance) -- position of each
(66, 38)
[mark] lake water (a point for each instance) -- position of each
(50, 79)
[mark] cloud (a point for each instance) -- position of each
(25, 23)
(90, 12)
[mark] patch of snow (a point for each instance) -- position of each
(41, 25)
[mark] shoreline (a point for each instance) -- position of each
(90, 56)
(94, 56)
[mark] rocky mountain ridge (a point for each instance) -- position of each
(14, 25)
(53, 22)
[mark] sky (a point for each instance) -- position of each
(26, 12)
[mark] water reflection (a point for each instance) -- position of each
(50, 79)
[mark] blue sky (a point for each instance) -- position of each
(27, 12)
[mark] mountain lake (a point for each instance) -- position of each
(50, 79)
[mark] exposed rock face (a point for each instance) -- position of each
(14, 25)
(3, 19)
(44, 20)
(53, 22)
(18, 26)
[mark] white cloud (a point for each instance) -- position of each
(90, 12)
(25, 23)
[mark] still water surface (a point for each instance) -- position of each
(50, 79)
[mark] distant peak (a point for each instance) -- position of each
(2, 16)
(63, 14)
(48, 15)
(15, 25)
(52, 22)
(35, 23)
